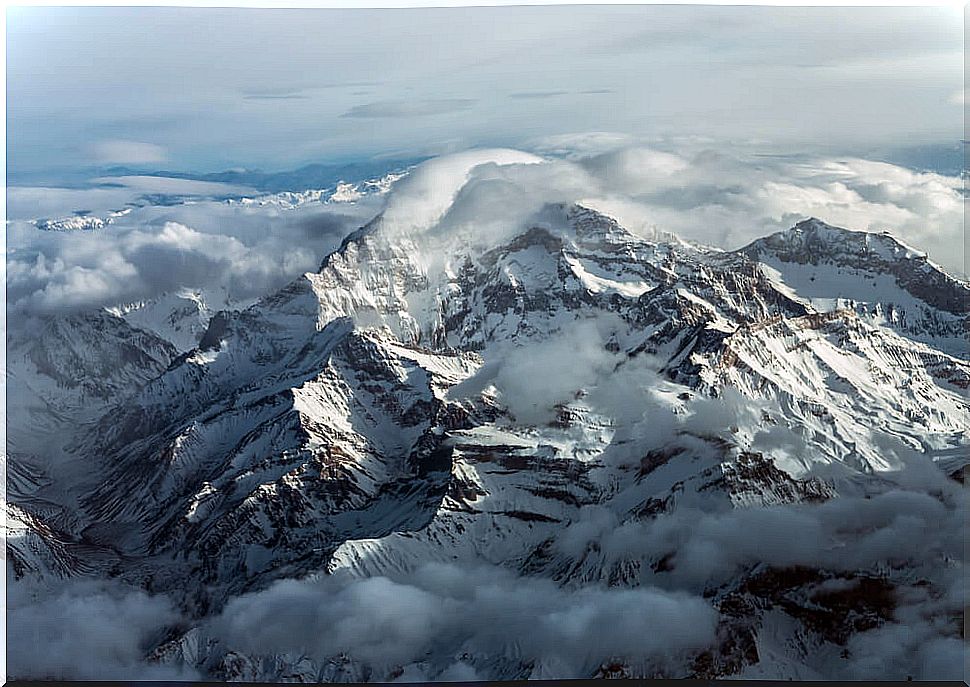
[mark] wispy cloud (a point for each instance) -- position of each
(695, 65)
(403, 108)
(538, 94)
(127, 152)
(306, 92)
(275, 94)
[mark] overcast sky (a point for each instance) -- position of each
(210, 89)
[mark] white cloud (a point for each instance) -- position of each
(658, 69)
(532, 379)
(717, 197)
(713, 197)
(246, 250)
(454, 609)
(423, 197)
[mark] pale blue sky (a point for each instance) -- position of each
(212, 89)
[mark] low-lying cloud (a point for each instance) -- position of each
(86, 630)
(894, 530)
(462, 614)
(727, 200)
(244, 250)
(479, 611)
(443, 621)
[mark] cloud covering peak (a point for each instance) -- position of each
(712, 195)
(715, 196)
(425, 195)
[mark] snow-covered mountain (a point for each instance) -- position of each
(341, 192)
(882, 279)
(180, 318)
(573, 405)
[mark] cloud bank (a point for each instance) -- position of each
(441, 621)
(85, 630)
(721, 198)
(473, 611)
(701, 193)
(244, 251)
(868, 77)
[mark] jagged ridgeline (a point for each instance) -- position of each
(743, 438)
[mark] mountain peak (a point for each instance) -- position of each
(813, 240)
(811, 224)
(837, 260)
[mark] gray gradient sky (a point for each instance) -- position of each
(209, 89)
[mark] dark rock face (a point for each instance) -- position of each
(753, 476)
(830, 605)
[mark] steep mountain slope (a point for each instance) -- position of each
(884, 281)
(529, 405)
(64, 372)
(180, 318)
(76, 365)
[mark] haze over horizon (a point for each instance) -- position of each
(206, 90)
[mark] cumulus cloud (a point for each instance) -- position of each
(729, 200)
(878, 534)
(246, 251)
(454, 619)
(450, 621)
(911, 521)
(462, 614)
(710, 196)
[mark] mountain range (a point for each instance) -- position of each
(751, 436)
